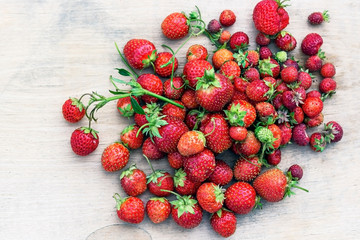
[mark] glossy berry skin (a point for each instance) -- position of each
(235, 111)
(274, 158)
(164, 181)
(176, 90)
(210, 197)
(199, 167)
(265, 52)
(227, 18)
(285, 41)
(151, 83)
(131, 210)
(240, 197)
(247, 169)
(133, 181)
(289, 74)
(84, 141)
(262, 39)
(225, 224)
(271, 185)
(222, 173)
(115, 157)
(196, 52)
(312, 106)
(314, 121)
(256, 91)
(124, 106)
(286, 133)
(299, 135)
(175, 26)
(317, 18)
(195, 69)
(336, 130)
(327, 85)
(296, 171)
(250, 146)
(191, 142)
(163, 58)
(221, 56)
(169, 109)
(305, 80)
(269, 18)
(328, 70)
(311, 44)
(176, 160)
(189, 99)
(238, 133)
(317, 142)
(151, 150)
(183, 185)
(158, 209)
(139, 53)
(214, 26)
(230, 69)
(188, 220)
(239, 40)
(73, 110)
(129, 139)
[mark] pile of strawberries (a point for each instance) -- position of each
(252, 102)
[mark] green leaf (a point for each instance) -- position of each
(123, 72)
(137, 108)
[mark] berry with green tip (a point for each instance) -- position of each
(130, 209)
(84, 141)
(333, 132)
(269, 68)
(73, 110)
(131, 137)
(285, 41)
(296, 171)
(139, 53)
(210, 197)
(158, 209)
(317, 142)
(317, 18)
(224, 222)
(240, 197)
(124, 106)
(214, 26)
(133, 181)
(183, 185)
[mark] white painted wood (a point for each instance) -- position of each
(51, 50)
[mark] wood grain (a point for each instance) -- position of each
(51, 50)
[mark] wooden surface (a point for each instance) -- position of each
(51, 50)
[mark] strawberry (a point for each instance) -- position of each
(274, 158)
(133, 181)
(273, 185)
(199, 167)
(289, 74)
(253, 57)
(151, 150)
(270, 17)
(327, 86)
(299, 135)
(269, 68)
(230, 69)
(186, 212)
(73, 110)
(317, 18)
(305, 80)
(176, 160)
(240, 197)
(224, 37)
(150, 109)
(175, 26)
(210, 197)
(238, 133)
(286, 133)
(183, 185)
(277, 101)
(189, 99)
(247, 169)
(216, 132)
(313, 93)
(312, 106)
(139, 53)
(174, 111)
(84, 141)
(290, 62)
(266, 112)
(197, 52)
(250, 146)
(151, 83)
(213, 91)
(311, 44)
(328, 70)
(251, 74)
(115, 157)
(191, 142)
(224, 223)
(239, 96)
(314, 63)
(222, 173)
(214, 26)
(261, 90)
(239, 40)
(158, 209)
(297, 116)
(221, 56)
(163, 58)
(276, 131)
(265, 53)
(160, 180)
(130, 209)
(227, 18)
(314, 121)
(281, 86)
(194, 70)
(175, 90)
(285, 41)
(296, 171)
(262, 39)
(317, 142)
(292, 99)
(195, 118)
(333, 132)
(124, 106)
(131, 138)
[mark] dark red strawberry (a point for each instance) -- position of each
(151, 150)
(73, 110)
(222, 173)
(277, 101)
(314, 63)
(186, 212)
(240, 197)
(230, 69)
(133, 181)
(296, 171)
(314, 121)
(247, 169)
(311, 44)
(312, 106)
(276, 131)
(286, 133)
(139, 53)
(269, 68)
(175, 90)
(317, 18)
(328, 70)
(289, 74)
(191, 142)
(239, 40)
(250, 146)
(194, 118)
(238, 133)
(158, 209)
(130, 209)
(197, 52)
(240, 84)
(189, 99)
(210, 197)
(151, 83)
(162, 59)
(183, 185)
(199, 167)
(174, 111)
(84, 141)
(327, 86)
(317, 142)
(313, 93)
(131, 138)
(274, 158)
(262, 39)
(333, 132)
(160, 180)
(175, 26)
(290, 62)
(305, 79)
(265, 53)
(194, 70)
(115, 157)
(251, 74)
(214, 26)
(261, 90)
(299, 135)
(124, 106)
(285, 41)
(227, 18)
(297, 116)
(176, 160)
(292, 99)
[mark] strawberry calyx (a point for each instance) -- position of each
(327, 95)
(179, 178)
(270, 94)
(258, 204)
(76, 102)
(199, 116)
(240, 57)
(282, 4)
(208, 80)
(235, 116)
(119, 200)
(329, 132)
(161, 199)
(219, 194)
(128, 129)
(283, 115)
(321, 54)
(292, 183)
(184, 204)
(265, 66)
(326, 16)
(153, 177)
(128, 172)
(152, 127)
(150, 59)
(88, 130)
(320, 144)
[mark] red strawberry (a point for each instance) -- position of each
(250, 146)
(314, 121)
(115, 157)
(296, 171)
(314, 63)
(224, 37)
(160, 180)
(317, 18)
(139, 53)
(312, 106)
(266, 112)
(313, 93)
(227, 18)
(247, 169)
(130, 209)
(317, 142)
(285, 41)
(261, 90)
(274, 158)
(305, 80)
(151, 83)
(124, 106)
(151, 150)
(269, 68)
(158, 209)
(191, 142)
(221, 56)
(289, 74)
(290, 63)
(333, 132)
(216, 132)
(262, 39)
(133, 181)
(186, 212)
(174, 111)
(240, 84)
(84, 141)
(213, 91)
(183, 185)
(175, 90)
(224, 223)
(253, 57)
(238, 133)
(297, 115)
(239, 40)
(131, 138)
(328, 70)
(222, 173)
(150, 109)
(210, 197)
(327, 86)
(189, 99)
(273, 185)
(277, 101)
(163, 58)
(311, 44)
(194, 70)
(239, 96)
(175, 26)
(197, 52)
(276, 131)
(240, 197)
(286, 133)
(176, 160)
(73, 110)
(292, 99)
(251, 74)
(214, 26)
(265, 53)
(199, 167)
(230, 69)
(299, 135)
(270, 17)
(195, 118)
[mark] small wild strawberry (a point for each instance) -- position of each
(191, 142)
(227, 18)
(299, 135)
(163, 58)
(131, 137)
(214, 26)
(239, 40)
(262, 39)
(158, 209)
(311, 44)
(196, 52)
(328, 70)
(240, 197)
(317, 18)
(210, 197)
(73, 110)
(223, 222)
(133, 181)
(222, 173)
(317, 142)
(296, 171)
(84, 141)
(250, 146)
(115, 157)
(130, 209)
(274, 158)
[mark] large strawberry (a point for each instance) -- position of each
(158, 209)
(139, 53)
(84, 141)
(213, 91)
(195, 69)
(240, 197)
(73, 110)
(210, 197)
(133, 181)
(151, 83)
(270, 17)
(223, 222)
(199, 167)
(130, 209)
(240, 113)
(115, 157)
(183, 185)
(186, 211)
